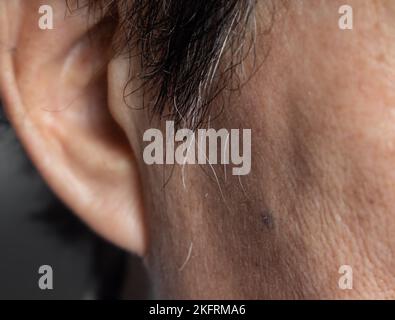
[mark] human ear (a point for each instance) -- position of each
(54, 87)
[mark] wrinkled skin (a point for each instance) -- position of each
(321, 193)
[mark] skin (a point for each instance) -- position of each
(321, 190)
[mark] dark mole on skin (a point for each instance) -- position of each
(267, 219)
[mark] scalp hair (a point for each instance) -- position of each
(188, 50)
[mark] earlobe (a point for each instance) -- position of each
(55, 95)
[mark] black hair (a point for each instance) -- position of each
(188, 50)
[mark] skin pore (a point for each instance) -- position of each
(321, 113)
(321, 190)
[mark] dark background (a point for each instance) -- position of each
(36, 229)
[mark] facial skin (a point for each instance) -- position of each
(321, 190)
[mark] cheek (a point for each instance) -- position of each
(356, 68)
(388, 7)
(342, 85)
